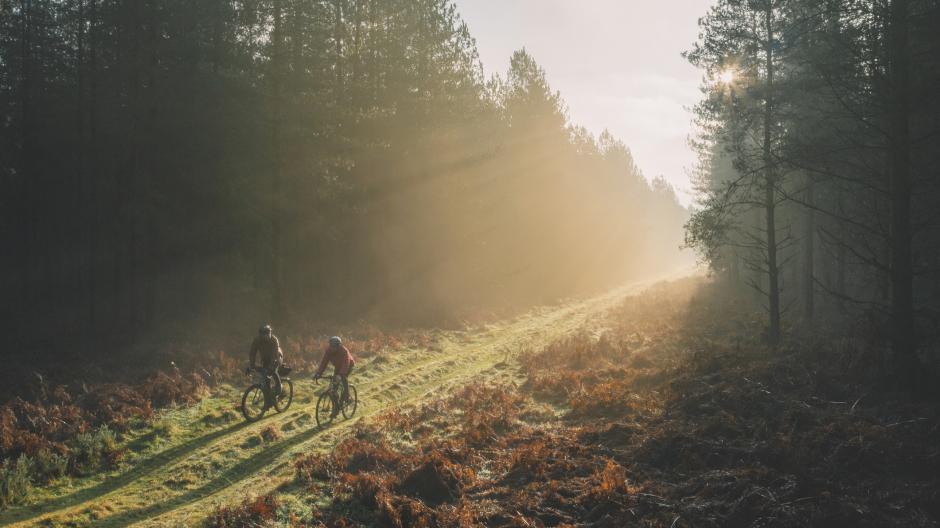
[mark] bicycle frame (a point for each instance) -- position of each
(334, 386)
(263, 381)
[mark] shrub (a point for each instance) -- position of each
(488, 411)
(349, 456)
(271, 434)
(115, 404)
(49, 465)
(94, 451)
(165, 428)
(14, 481)
(254, 511)
(313, 467)
(610, 482)
(59, 419)
(164, 390)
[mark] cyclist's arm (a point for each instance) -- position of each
(322, 366)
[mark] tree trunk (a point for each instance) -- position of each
(357, 61)
(94, 219)
(373, 51)
(277, 302)
(773, 273)
(82, 255)
(133, 191)
(841, 253)
(149, 139)
(338, 8)
(809, 254)
(26, 216)
(902, 274)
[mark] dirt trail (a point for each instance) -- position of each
(176, 487)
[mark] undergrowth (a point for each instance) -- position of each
(77, 434)
(76, 431)
(256, 512)
(14, 481)
(676, 416)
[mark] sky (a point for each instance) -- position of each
(617, 64)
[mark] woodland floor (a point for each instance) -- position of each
(629, 409)
(193, 458)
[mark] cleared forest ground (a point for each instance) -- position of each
(198, 457)
(668, 412)
(660, 408)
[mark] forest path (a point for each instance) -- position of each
(179, 485)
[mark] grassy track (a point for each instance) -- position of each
(204, 464)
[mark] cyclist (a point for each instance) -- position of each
(267, 345)
(343, 363)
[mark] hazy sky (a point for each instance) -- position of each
(617, 64)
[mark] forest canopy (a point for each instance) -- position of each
(203, 166)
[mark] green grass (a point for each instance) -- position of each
(194, 458)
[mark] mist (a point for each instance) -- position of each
(189, 173)
(342, 263)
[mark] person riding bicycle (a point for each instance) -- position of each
(267, 345)
(343, 363)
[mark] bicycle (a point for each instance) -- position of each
(333, 394)
(257, 397)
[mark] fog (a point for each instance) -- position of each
(188, 174)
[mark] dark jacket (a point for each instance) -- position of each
(270, 350)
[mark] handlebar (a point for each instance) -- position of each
(317, 379)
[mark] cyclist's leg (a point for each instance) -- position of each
(277, 378)
(334, 397)
(345, 379)
(266, 385)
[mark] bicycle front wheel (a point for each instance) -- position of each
(253, 404)
(324, 409)
(352, 403)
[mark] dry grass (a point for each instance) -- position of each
(66, 433)
(677, 416)
(55, 427)
(253, 512)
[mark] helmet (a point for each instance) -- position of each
(335, 341)
(265, 330)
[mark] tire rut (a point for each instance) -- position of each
(140, 496)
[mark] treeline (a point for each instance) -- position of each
(820, 158)
(183, 166)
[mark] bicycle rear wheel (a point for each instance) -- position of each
(352, 403)
(324, 409)
(283, 400)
